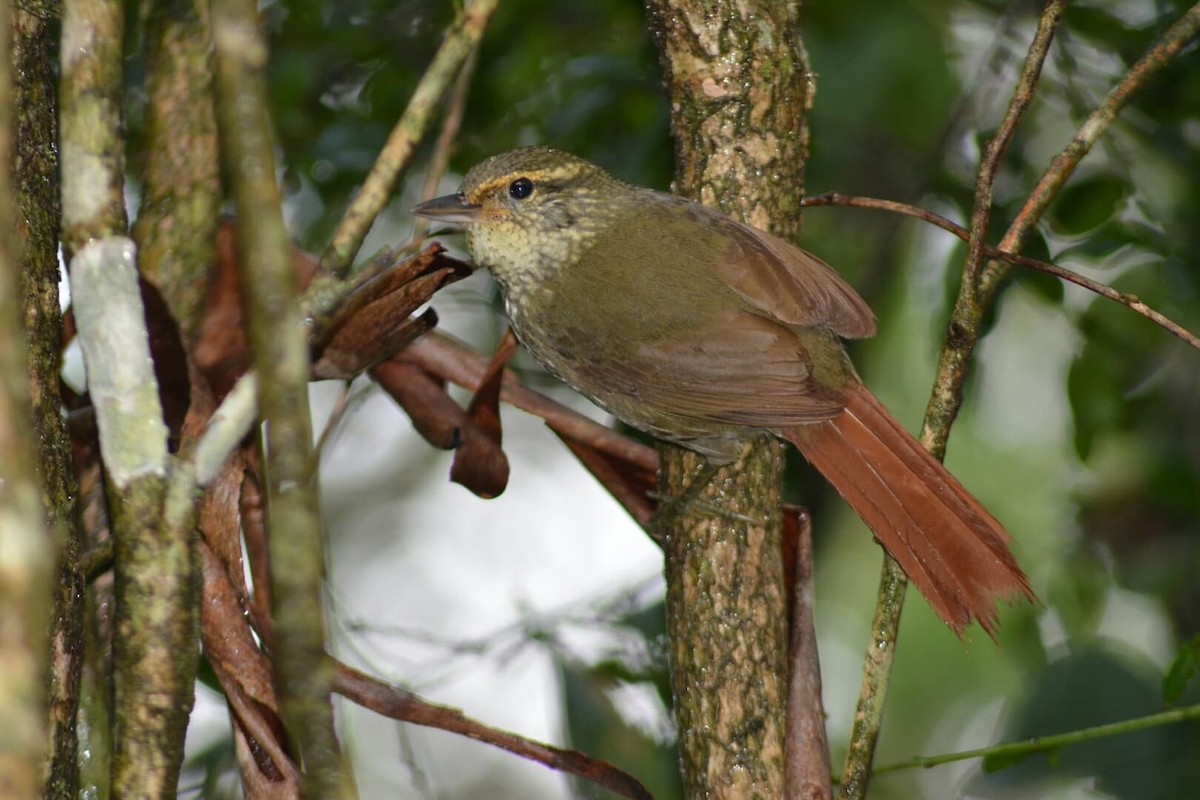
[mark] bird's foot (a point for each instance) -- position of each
(672, 509)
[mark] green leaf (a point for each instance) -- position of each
(1183, 668)
(1095, 389)
(1042, 285)
(1088, 204)
(1114, 237)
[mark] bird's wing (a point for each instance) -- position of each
(790, 285)
(742, 369)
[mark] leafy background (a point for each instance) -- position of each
(541, 611)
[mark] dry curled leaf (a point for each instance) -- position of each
(423, 397)
(375, 320)
(479, 461)
(245, 675)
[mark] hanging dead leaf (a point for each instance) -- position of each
(245, 675)
(423, 397)
(479, 461)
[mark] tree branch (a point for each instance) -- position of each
(461, 40)
(35, 188)
(731, 127)
(994, 149)
(1183, 31)
(155, 653)
(979, 288)
(1130, 301)
(396, 703)
(280, 357)
(181, 201)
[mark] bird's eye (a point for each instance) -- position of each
(520, 188)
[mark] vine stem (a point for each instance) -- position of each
(1040, 744)
(461, 40)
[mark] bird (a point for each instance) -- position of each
(705, 332)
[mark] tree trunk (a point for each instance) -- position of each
(738, 85)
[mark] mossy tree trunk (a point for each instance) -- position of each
(34, 187)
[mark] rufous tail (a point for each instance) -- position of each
(943, 538)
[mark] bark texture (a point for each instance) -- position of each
(177, 224)
(27, 553)
(35, 191)
(155, 653)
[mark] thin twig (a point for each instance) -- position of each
(995, 147)
(967, 319)
(1183, 31)
(396, 703)
(877, 672)
(1130, 301)
(448, 135)
(461, 40)
(1038, 744)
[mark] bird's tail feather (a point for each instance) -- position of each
(944, 539)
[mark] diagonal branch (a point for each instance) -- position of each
(995, 147)
(396, 703)
(1130, 301)
(1183, 31)
(461, 40)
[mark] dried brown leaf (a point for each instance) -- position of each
(374, 321)
(245, 675)
(423, 397)
(479, 461)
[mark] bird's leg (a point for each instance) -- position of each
(671, 509)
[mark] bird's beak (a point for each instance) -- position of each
(451, 208)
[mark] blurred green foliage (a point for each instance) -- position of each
(907, 93)
(581, 76)
(1078, 692)
(599, 727)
